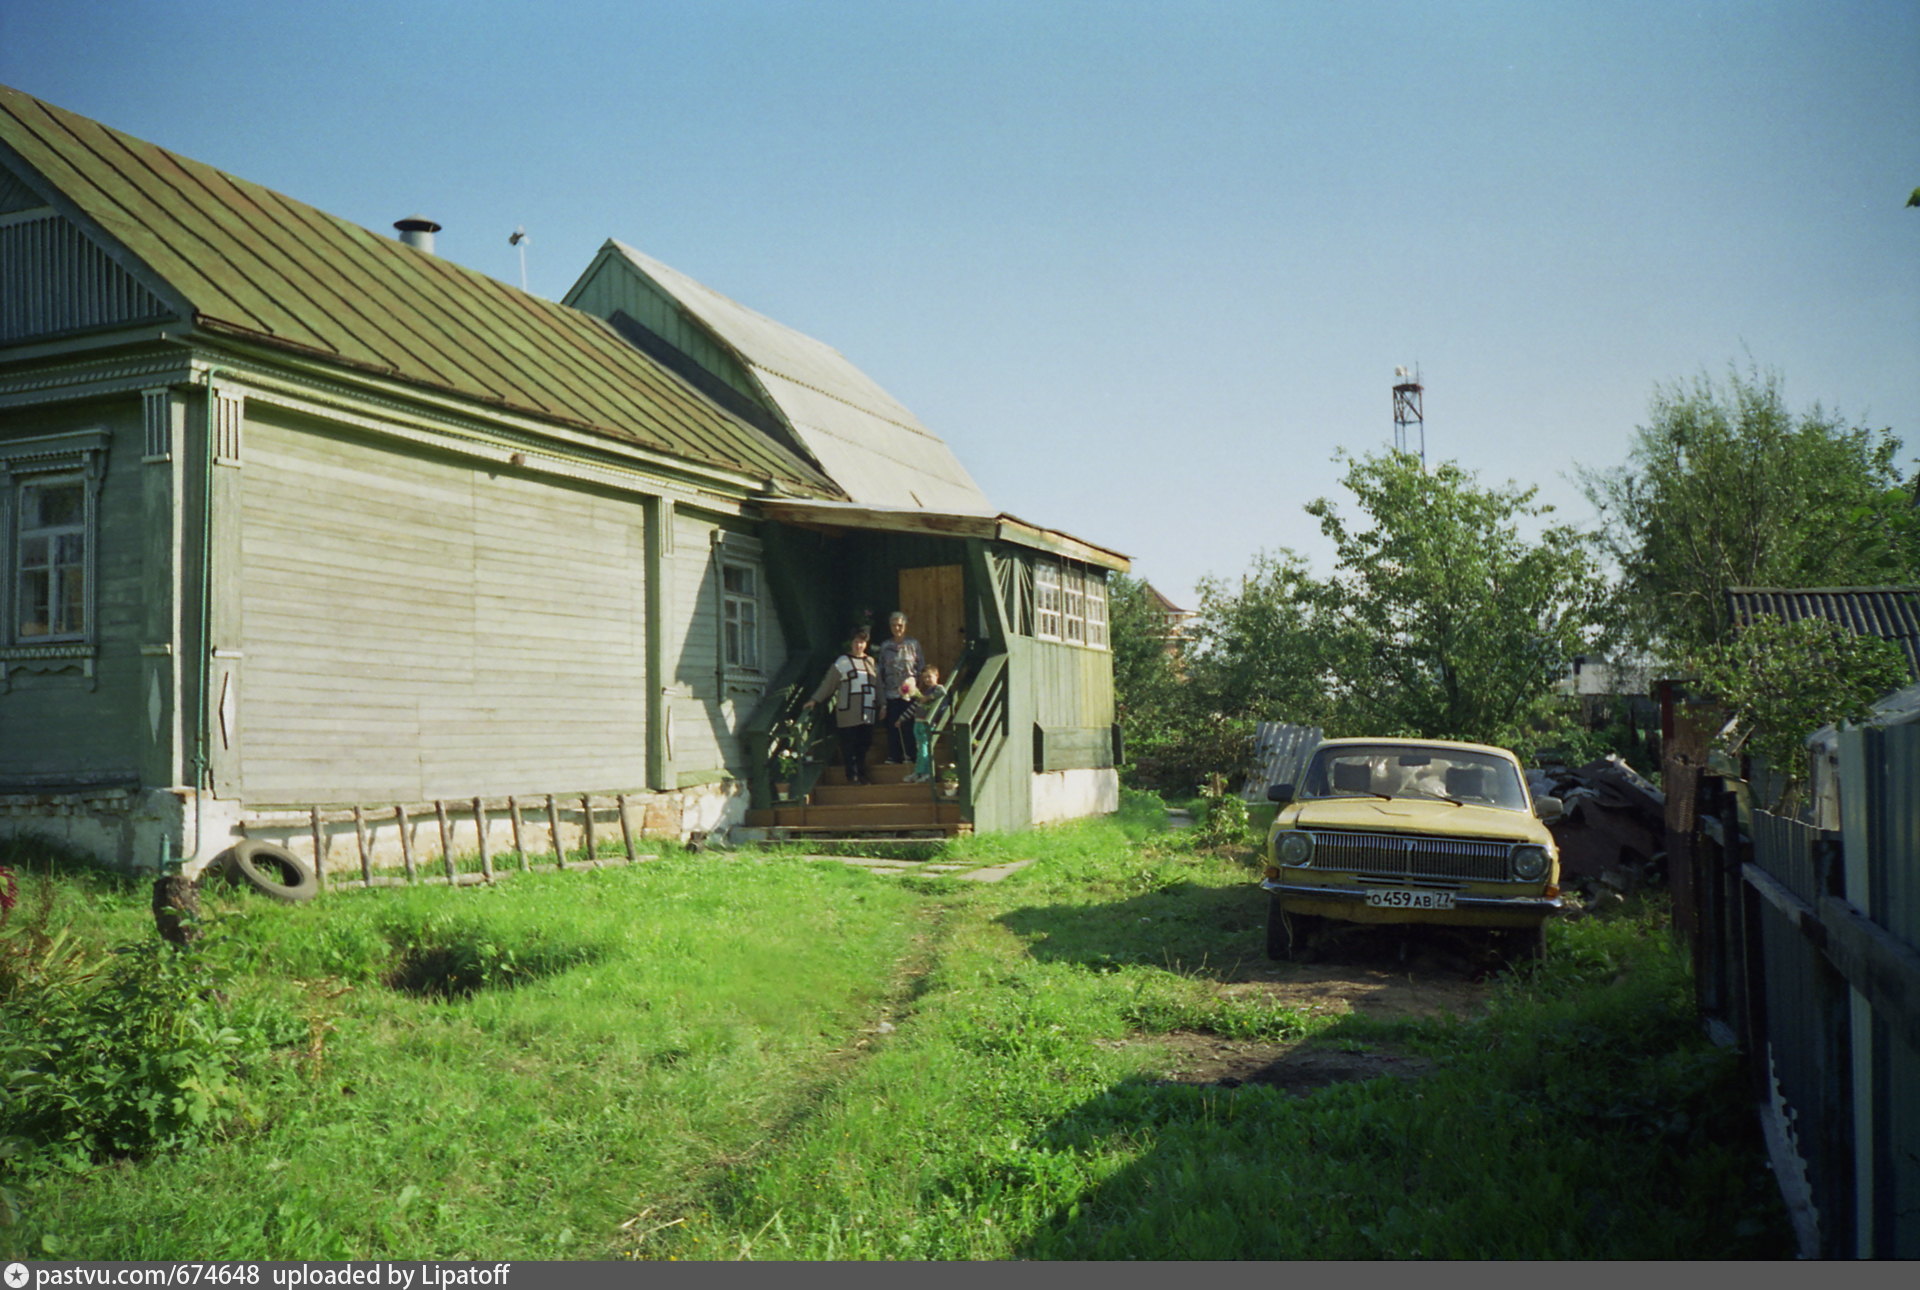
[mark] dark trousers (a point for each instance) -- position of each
(854, 743)
(899, 730)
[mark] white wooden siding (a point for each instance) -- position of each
(416, 628)
(709, 711)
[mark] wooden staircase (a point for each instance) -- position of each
(885, 808)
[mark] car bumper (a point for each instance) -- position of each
(1351, 902)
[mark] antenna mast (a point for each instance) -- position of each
(1407, 415)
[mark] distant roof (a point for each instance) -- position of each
(256, 265)
(1165, 606)
(862, 437)
(1891, 613)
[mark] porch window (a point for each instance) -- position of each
(1073, 605)
(1046, 599)
(740, 617)
(1097, 610)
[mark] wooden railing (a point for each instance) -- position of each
(783, 724)
(979, 724)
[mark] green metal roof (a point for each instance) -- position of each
(255, 264)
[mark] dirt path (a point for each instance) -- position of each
(1389, 974)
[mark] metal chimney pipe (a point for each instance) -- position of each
(417, 231)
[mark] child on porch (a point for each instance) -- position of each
(924, 697)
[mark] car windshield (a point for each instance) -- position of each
(1396, 770)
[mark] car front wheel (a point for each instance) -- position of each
(1287, 934)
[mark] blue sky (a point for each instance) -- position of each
(1145, 266)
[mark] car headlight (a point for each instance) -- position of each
(1530, 863)
(1294, 848)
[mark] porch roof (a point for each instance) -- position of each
(833, 517)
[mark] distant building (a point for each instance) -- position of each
(1173, 619)
(1890, 613)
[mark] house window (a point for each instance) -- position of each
(1073, 605)
(740, 617)
(49, 534)
(1096, 610)
(1046, 599)
(51, 560)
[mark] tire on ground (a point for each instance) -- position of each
(270, 870)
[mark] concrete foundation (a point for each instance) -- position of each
(1073, 794)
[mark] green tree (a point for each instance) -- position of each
(1261, 646)
(1726, 487)
(1781, 681)
(1445, 621)
(1146, 678)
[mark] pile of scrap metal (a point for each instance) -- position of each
(1612, 835)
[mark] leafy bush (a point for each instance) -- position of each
(123, 1053)
(1226, 823)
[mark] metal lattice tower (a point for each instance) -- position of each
(1407, 414)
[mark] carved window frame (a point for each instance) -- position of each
(38, 460)
(741, 607)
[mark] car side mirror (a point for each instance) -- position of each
(1549, 809)
(1280, 793)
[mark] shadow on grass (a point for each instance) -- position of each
(1220, 933)
(1373, 1164)
(1187, 927)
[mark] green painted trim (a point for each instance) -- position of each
(696, 778)
(659, 533)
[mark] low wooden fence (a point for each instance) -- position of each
(1807, 949)
(454, 841)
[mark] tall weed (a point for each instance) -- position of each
(122, 1052)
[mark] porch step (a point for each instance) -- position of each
(878, 773)
(842, 794)
(878, 838)
(859, 816)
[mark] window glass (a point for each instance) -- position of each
(740, 621)
(1096, 610)
(1401, 771)
(51, 559)
(1073, 605)
(1046, 599)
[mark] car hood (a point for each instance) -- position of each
(1401, 815)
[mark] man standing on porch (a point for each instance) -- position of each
(900, 663)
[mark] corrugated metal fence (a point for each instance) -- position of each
(1280, 754)
(1808, 948)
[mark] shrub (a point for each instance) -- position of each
(122, 1053)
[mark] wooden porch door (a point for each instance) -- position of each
(934, 601)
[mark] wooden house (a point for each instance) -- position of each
(298, 520)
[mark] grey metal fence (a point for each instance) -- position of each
(1808, 945)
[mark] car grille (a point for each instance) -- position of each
(1398, 855)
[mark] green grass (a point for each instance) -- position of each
(727, 1056)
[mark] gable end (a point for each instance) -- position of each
(55, 280)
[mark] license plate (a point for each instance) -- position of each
(1402, 898)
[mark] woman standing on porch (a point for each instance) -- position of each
(853, 683)
(900, 662)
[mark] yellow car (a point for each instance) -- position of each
(1411, 831)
